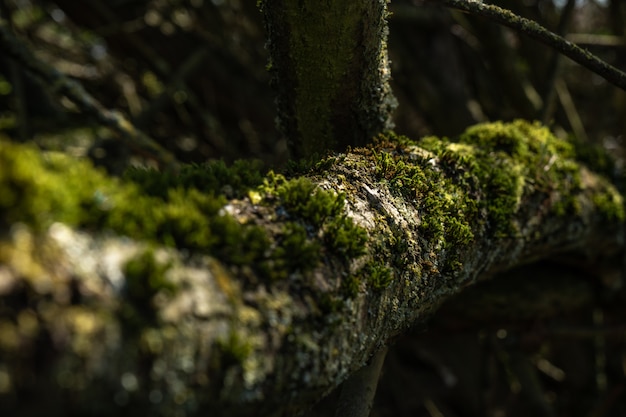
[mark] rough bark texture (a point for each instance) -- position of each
(331, 72)
(93, 323)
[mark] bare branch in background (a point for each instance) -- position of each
(543, 35)
(73, 90)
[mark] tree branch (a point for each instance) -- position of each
(538, 32)
(273, 298)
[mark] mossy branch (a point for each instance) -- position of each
(543, 35)
(261, 301)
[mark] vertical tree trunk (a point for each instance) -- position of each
(330, 68)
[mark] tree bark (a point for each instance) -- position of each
(95, 323)
(330, 69)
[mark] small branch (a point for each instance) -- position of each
(73, 90)
(549, 96)
(543, 35)
(576, 123)
(358, 391)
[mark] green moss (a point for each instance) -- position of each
(512, 158)
(477, 181)
(295, 252)
(145, 278)
(212, 177)
(350, 286)
(38, 191)
(234, 349)
(323, 209)
(599, 160)
(611, 205)
(505, 160)
(346, 238)
(378, 276)
(183, 211)
(302, 198)
(155, 207)
(446, 212)
(145, 275)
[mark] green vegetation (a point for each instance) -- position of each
(462, 187)
(377, 275)
(487, 169)
(300, 197)
(213, 177)
(145, 278)
(234, 348)
(184, 210)
(321, 208)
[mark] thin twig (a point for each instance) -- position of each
(543, 35)
(73, 90)
(554, 68)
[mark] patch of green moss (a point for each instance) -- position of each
(184, 212)
(145, 278)
(350, 286)
(344, 237)
(39, 190)
(478, 179)
(323, 209)
(378, 276)
(234, 348)
(611, 205)
(329, 303)
(211, 177)
(295, 252)
(446, 213)
(301, 197)
(598, 159)
(505, 160)
(511, 158)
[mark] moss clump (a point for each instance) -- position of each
(145, 278)
(234, 349)
(323, 209)
(446, 214)
(477, 181)
(212, 177)
(611, 204)
(183, 211)
(350, 285)
(39, 190)
(302, 198)
(378, 276)
(346, 238)
(145, 275)
(295, 252)
(506, 160)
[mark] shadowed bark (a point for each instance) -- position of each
(331, 72)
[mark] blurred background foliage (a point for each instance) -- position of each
(191, 74)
